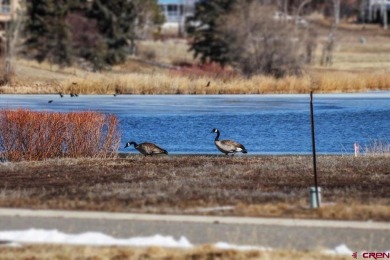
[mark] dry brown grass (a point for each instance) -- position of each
(168, 83)
(267, 186)
(53, 252)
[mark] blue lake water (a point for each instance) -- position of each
(264, 124)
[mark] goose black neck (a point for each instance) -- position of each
(217, 137)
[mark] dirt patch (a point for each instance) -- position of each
(277, 186)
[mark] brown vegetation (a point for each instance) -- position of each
(260, 44)
(268, 186)
(29, 135)
(54, 252)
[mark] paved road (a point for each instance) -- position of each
(266, 232)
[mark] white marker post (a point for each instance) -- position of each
(357, 149)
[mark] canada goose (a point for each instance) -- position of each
(227, 146)
(61, 95)
(147, 148)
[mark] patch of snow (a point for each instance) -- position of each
(223, 245)
(89, 238)
(339, 250)
(17, 238)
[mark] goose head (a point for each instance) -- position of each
(130, 144)
(215, 130)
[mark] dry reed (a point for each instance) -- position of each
(184, 83)
(29, 135)
(378, 148)
(195, 81)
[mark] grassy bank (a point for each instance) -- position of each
(266, 186)
(356, 67)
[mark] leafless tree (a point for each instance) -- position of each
(328, 47)
(260, 44)
(12, 31)
(336, 11)
(300, 7)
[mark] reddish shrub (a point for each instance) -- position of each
(29, 135)
(204, 70)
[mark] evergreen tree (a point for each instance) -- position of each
(207, 41)
(115, 19)
(36, 29)
(46, 32)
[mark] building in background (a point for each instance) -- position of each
(376, 10)
(176, 12)
(8, 11)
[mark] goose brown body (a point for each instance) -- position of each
(227, 146)
(147, 148)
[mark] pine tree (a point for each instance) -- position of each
(115, 19)
(46, 32)
(37, 29)
(207, 40)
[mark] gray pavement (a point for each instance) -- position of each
(267, 232)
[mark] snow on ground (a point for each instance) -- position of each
(14, 238)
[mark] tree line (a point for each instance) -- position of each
(102, 32)
(244, 34)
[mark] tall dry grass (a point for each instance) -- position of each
(177, 82)
(378, 148)
(29, 135)
(194, 80)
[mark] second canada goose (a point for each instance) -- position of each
(147, 148)
(227, 146)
